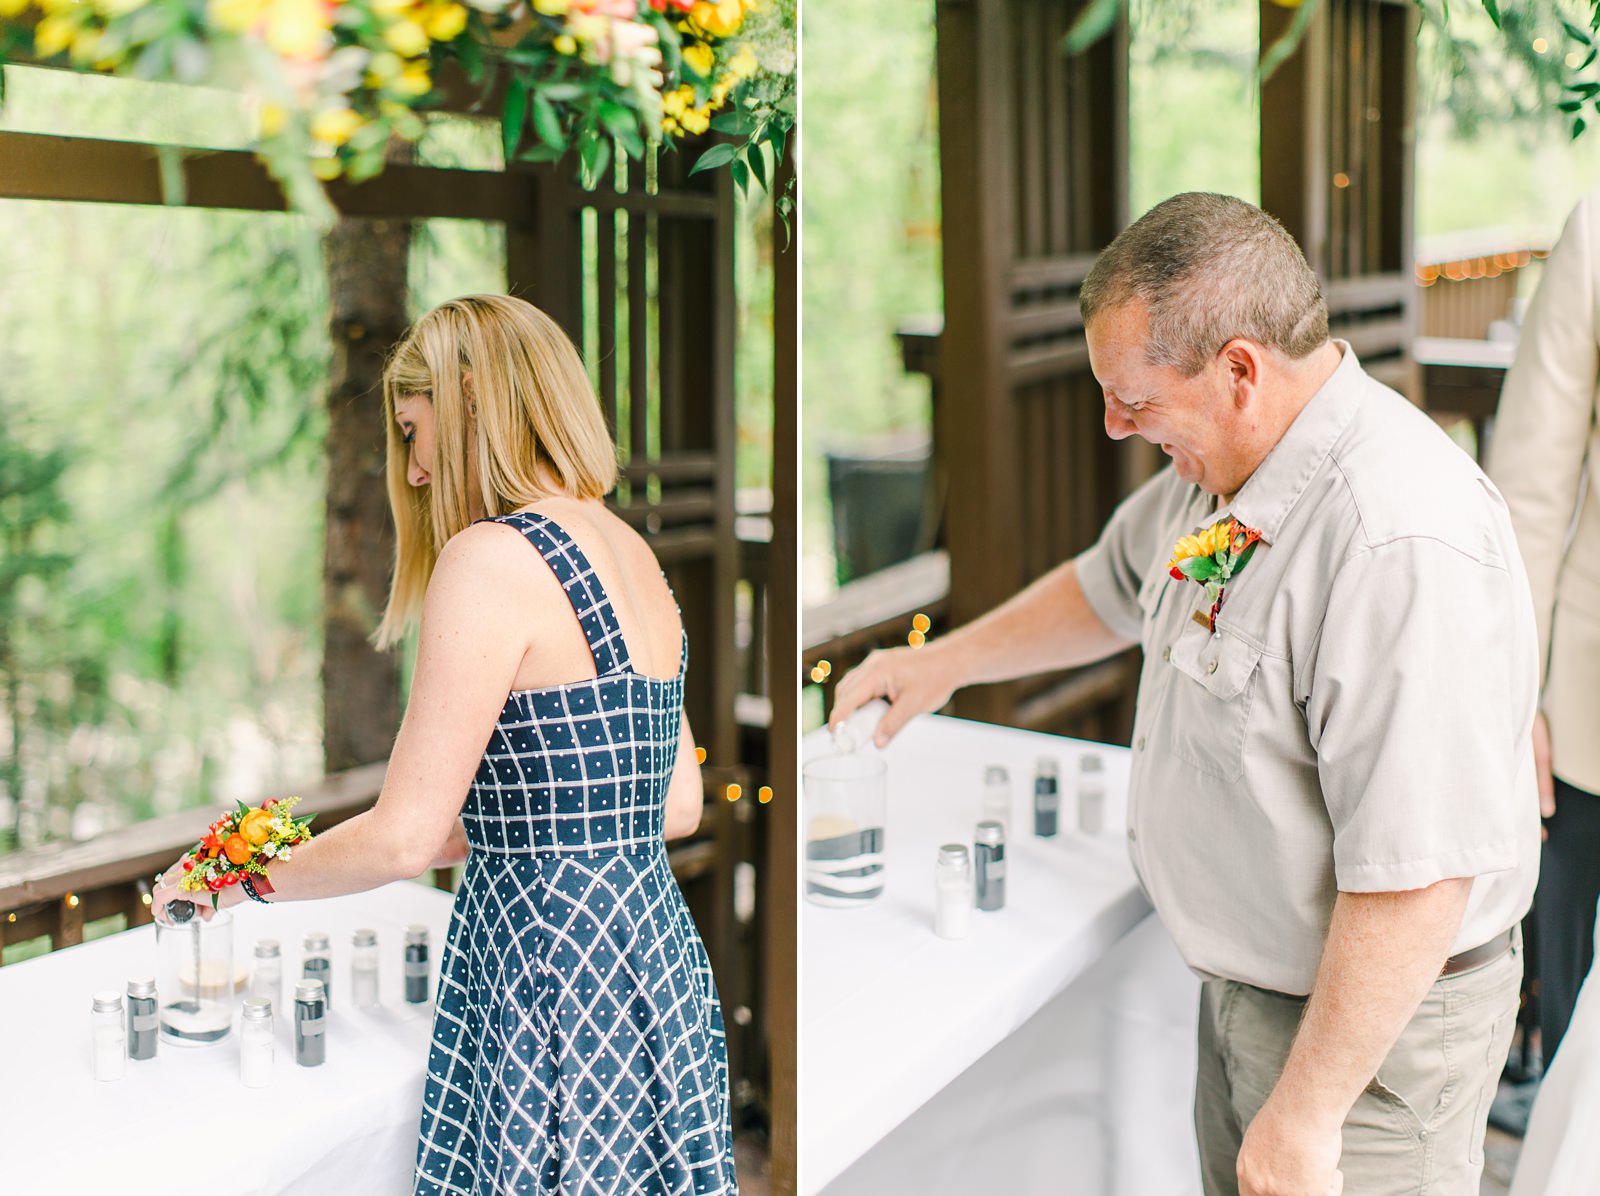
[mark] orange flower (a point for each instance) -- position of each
(238, 850)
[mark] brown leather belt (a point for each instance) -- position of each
(1478, 956)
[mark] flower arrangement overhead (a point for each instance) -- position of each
(336, 80)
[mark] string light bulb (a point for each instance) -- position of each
(700, 754)
(825, 668)
(921, 623)
(764, 794)
(734, 792)
(916, 639)
(72, 901)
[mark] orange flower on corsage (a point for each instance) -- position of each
(1212, 558)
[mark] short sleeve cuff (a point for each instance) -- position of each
(1401, 875)
(1116, 609)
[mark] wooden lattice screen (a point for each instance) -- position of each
(1337, 127)
(1034, 162)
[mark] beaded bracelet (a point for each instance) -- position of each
(249, 887)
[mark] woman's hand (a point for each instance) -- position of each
(167, 891)
(455, 849)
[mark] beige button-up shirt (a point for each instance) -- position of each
(1360, 718)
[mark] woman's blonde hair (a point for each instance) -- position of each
(508, 388)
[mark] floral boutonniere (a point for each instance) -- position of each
(1212, 558)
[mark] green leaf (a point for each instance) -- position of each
(540, 153)
(1093, 23)
(758, 165)
(1198, 568)
(595, 153)
(547, 123)
(1279, 51)
(1570, 105)
(740, 124)
(514, 115)
(717, 155)
(1493, 9)
(470, 54)
(1577, 34)
(741, 176)
(562, 93)
(1578, 126)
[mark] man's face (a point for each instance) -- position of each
(1191, 419)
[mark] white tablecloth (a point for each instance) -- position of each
(892, 1014)
(184, 1120)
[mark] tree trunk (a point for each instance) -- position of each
(366, 264)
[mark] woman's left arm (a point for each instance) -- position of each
(465, 666)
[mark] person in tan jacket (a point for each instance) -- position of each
(1545, 458)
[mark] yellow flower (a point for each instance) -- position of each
(383, 67)
(118, 8)
(86, 45)
(587, 27)
(391, 8)
(697, 120)
(700, 59)
(445, 22)
(271, 119)
(335, 126)
(719, 18)
(406, 38)
(743, 64)
(720, 90)
(237, 16)
(53, 35)
(12, 8)
(677, 101)
(415, 81)
(551, 8)
(326, 169)
(298, 28)
(565, 45)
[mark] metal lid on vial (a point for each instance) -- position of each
(267, 949)
(990, 833)
(1091, 762)
(365, 938)
(107, 1002)
(1047, 766)
(415, 935)
(317, 940)
(142, 986)
(995, 774)
(953, 853)
(308, 990)
(258, 1009)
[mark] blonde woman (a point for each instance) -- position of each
(578, 1043)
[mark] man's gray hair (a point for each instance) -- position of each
(1210, 268)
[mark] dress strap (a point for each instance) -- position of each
(580, 583)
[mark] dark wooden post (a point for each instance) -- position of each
(1033, 150)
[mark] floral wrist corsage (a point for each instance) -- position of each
(241, 844)
(1213, 557)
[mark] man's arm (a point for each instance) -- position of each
(1383, 953)
(1050, 625)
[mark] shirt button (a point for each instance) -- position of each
(1166, 653)
(1212, 667)
(1140, 745)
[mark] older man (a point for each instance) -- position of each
(1332, 801)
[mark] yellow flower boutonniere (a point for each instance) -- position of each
(1212, 557)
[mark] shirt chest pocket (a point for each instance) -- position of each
(1208, 709)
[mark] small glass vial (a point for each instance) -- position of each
(989, 866)
(318, 964)
(1046, 798)
(310, 1024)
(1091, 793)
(417, 965)
(110, 1037)
(144, 1018)
(952, 885)
(997, 795)
(364, 970)
(266, 975)
(255, 1043)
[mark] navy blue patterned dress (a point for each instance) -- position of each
(578, 1042)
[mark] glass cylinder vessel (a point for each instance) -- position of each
(110, 1042)
(266, 973)
(255, 1043)
(317, 963)
(1091, 793)
(416, 964)
(997, 795)
(364, 969)
(845, 807)
(197, 979)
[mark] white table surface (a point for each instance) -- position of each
(348, 1126)
(890, 1013)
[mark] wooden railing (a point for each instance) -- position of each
(55, 891)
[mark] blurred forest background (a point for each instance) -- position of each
(870, 206)
(162, 414)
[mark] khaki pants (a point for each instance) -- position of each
(1416, 1129)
